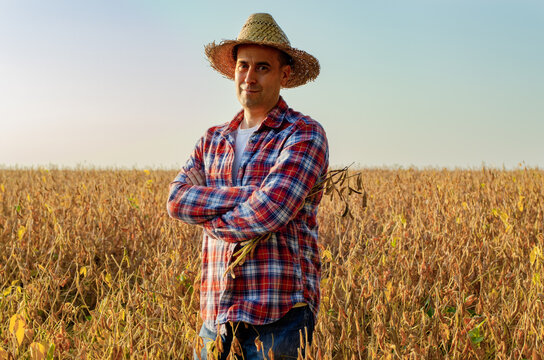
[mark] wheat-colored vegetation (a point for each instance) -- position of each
(431, 264)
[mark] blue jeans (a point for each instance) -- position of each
(281, 336)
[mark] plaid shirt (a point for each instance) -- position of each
(283, 160)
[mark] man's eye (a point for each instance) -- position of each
(263, 68)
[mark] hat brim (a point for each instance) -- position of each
(305, 67)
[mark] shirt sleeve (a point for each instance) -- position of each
(302, 162)
(195, 204)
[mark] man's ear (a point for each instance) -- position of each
(285, 74)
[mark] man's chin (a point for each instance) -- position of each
(249, 103)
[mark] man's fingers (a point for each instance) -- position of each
(192, 179)
(196, 177)
(192, 174)
(200, 177)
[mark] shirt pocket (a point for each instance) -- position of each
(218, 170)
(258, 167)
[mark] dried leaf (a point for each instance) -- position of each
(327, 254)
(37, 351)
(17, 327)
(236, 347)
(388, 290)
(4, 355)
(535, 254)
(83, 271)
(21, 232)
(211, 350)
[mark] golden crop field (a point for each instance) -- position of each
(431, 264)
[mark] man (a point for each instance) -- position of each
(256, 176)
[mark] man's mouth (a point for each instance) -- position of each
(250, 90)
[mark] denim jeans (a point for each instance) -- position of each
(282, 336)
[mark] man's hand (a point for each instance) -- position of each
(196, 177)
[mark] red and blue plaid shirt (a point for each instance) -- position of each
(283, 160)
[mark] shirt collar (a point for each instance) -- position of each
(276, 115)
(272, 120)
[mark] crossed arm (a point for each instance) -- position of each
(237, 214)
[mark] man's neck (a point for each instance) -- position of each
(255, 116)
(252, 119)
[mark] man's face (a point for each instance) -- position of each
(259, 76)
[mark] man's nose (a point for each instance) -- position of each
(250, 75)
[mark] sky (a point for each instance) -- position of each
(421, 83)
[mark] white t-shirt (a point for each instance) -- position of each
(241, 136)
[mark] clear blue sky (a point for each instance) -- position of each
(403, 83)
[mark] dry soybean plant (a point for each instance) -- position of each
(424, 264)
(335, 182)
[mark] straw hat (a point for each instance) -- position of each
(261, 29)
